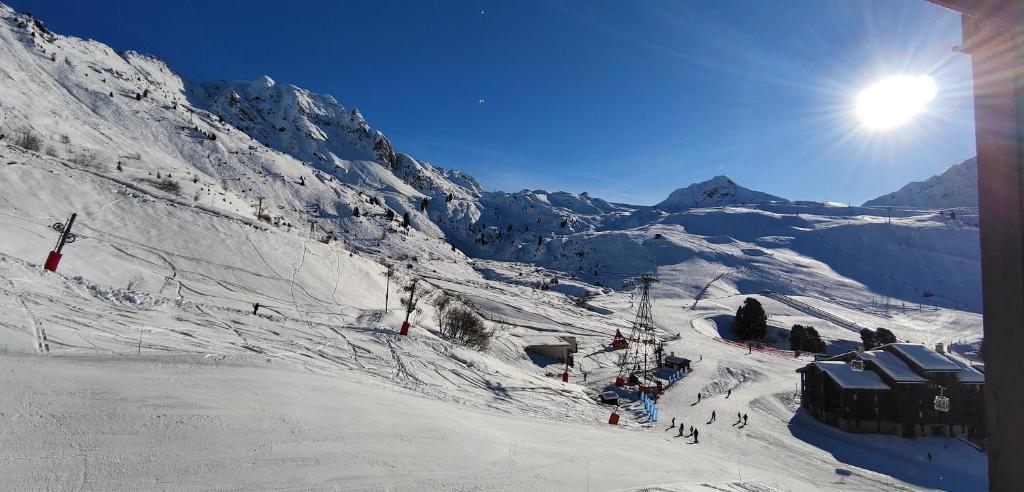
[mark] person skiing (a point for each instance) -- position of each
(255, 308)
(682, 428)
(712, 415)
(673, 421)
(929, 457)
(699, 396)
(728, 393)
(744, 419)
(584, 376)
(695, 433)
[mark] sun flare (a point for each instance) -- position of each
(894, 101)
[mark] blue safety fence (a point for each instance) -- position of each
(650, 407)
(676, 376)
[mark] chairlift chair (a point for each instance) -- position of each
(941, 401)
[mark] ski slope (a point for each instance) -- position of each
(141, 365)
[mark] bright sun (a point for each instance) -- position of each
(893, 101)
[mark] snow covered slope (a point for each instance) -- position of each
(142, 365)
(956, 187)
(714, 192)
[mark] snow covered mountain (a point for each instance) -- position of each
(714, 192)
(955, 187)
(196, 200)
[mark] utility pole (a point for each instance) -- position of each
(387, 284)
(410, 306)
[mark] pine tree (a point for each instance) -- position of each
(884, 336)
(751, 321)
(406, 221)
(806, 338)
(867, 336)
(355, 212)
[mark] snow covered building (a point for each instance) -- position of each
(892, 390)
(557, 349)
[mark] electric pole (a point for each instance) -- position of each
(387, 284)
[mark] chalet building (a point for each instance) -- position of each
(892, 390)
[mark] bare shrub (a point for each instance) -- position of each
(85, 158)
(461, 324)
(165, 185)
(134, 283)
(29, 140)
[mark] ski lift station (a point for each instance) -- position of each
(905, 389)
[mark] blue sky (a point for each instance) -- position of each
(625, 100)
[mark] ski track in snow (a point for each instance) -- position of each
(174, 384)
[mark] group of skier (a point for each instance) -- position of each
(741, 418)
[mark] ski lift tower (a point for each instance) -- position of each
(639, 359)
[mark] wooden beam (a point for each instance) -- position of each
(993, 32)
(992, 9)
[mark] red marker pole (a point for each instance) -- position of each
(53, 259)
(409, 307)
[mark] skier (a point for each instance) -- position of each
(929, 457)
(673, 421)
(584, 376)
(744, 419)
(728, 393)
(695, 433)
(681, 429)
(712, 415)
(255, 307)
(699, 396)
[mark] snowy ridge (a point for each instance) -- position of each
(955, 187)
(714, 192)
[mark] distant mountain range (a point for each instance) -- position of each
(284, 157)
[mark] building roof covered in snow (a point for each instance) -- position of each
(675, 359)
(892, 366)
(844, 375)
(967, 373)
(923, 357)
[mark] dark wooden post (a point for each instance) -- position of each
(993, 35)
